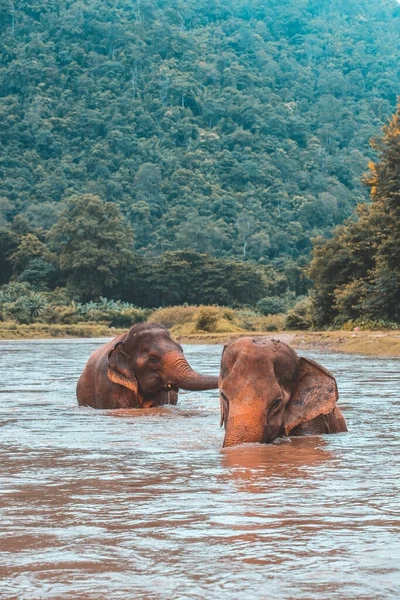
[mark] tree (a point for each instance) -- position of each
(384, 181)
(246, 228)
(188, 276)
(347, 257)
(93, 243)
(33, 263)
(29, 248)
(272, 305)
(357, 273)
(208, 108)
(8, 245)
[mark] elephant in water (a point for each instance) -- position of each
(267, 390)
(139, 369)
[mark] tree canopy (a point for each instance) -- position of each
(198, 146)
(357, 272)
(93, 243)
(232, 127)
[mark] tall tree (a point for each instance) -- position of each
(8, 244)
(93, 243)
(384, 181)
(357, 273)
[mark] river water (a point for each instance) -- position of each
(144, 504)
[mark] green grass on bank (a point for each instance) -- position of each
(10, 330)
(192, 320)
(25, 312)
(180, 320)
(373, 343)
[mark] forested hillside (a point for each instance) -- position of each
(357, 272)
(239, 128)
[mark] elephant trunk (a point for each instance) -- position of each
(245, 433)
(246, 423)
(178, 372)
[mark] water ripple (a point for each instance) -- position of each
(144, 504)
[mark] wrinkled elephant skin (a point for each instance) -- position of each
(139, 369)
(267, 390)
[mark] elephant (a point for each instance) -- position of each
(267, 390)
(142, 368)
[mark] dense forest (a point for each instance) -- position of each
(357, 272)
(206, 132)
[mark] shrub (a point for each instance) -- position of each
(127, 317)
(274, 323)
(207, 318)
(174, 315)
(368, 325)
(60, 314)
(272, 305)
(13, 291)
(249, 320)
(299, 317)
(228, 314)
(114, 313)
(226, 326)
(20, 303)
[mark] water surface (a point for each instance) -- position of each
(144, 504)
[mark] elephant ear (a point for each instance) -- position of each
(119, 369)
(315, 393)
(224, 372)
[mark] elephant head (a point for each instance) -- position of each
(147, 361)
(266, 390)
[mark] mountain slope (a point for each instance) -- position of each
(235, 128)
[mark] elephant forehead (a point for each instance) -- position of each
(266, 357)
(262, 361)
(245, 382)
(261, 348)
(145, 340)
(251, 358)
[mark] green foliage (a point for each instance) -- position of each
(369, 325)
(207, 319)
(8, 245)
(169, 152)
(189, 277)
(115, 313)
(40, 274)
(33, 263)
(174, 315)
(272, 305)
(192, 320)
(357, 272)
(21, 303)
(229, 128)
(30, 248)
(300, 316)
(93, 242)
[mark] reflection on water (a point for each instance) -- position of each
(144, 504)
(286, 458)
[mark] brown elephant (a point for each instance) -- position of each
(139, 369)
(267, 390)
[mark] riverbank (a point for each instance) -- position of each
(372, 343)
(13, 331)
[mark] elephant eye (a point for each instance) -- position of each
(153, 360)
(275, 403)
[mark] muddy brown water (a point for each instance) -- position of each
(144, 504)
